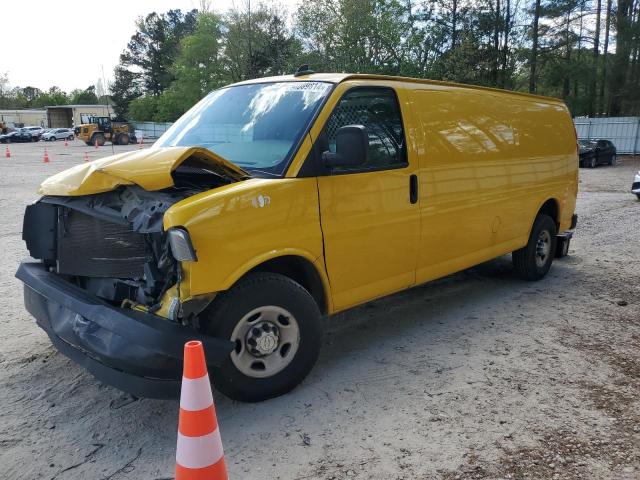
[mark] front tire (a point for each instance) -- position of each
(277, 328)
(592, 162)
(533, 261)
(613, 161)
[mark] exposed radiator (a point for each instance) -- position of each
(91, 247)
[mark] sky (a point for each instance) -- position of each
(67, 43)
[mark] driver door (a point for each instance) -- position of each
(369, 215)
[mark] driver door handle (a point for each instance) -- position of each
(413, 188)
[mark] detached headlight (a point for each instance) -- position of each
(181, 246)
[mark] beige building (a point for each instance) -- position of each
(23, 118)
(57, 116)
(62, 116)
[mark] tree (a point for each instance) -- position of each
(84, 97)
(258, 42)
(596, 53)
(533, 63)
(143, 109)
(624, 41)
(124, 88)
(154, 47)
(199, 68)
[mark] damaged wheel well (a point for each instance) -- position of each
(300, 270)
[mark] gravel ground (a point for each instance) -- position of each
(477, 375)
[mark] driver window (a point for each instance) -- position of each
(378, 110)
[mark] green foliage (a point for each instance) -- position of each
(199, 66)
(124, 88)
(143, 109)
(84, 97)
(155, 45)
(175, 58)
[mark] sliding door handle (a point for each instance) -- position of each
(413, 189)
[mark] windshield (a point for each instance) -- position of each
(256, 126)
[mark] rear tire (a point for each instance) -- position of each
(533, 261)
(613, 161)
(123, 139)
(254, 306)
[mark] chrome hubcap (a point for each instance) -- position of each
(543, 248)
(267, 338)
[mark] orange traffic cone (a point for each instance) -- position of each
(66, 144)
(199, 454)
(86, 157)
(45, 159)
(96, 142)
(7, 153)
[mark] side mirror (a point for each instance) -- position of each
(352, 147)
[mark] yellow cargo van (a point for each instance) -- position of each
(276, 201)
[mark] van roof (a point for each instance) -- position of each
(341, 77)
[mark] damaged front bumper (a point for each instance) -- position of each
(136, 352)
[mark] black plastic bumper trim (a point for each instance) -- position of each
(134, 351)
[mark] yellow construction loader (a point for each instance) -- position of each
(102, 129)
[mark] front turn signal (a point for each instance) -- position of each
(181, 246)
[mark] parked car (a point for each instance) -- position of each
(58, 134)
(635, 188)
(276, 201)
(597, 152)
(36, 132)
(16, 136)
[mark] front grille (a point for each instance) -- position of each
(91, 247)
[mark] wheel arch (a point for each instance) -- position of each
(550, 207)
(300, 268)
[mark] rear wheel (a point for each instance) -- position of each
(613, 161)
(277, 330)
(533, 261)
(123, 139)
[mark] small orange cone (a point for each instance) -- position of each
(66, 144)
(7, 153)
(199, 454)
(45, 159)
(96, 142)
(86, 157)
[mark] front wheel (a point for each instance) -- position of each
(592, 162)
(533, 261)
(613, 161)
(276, 327)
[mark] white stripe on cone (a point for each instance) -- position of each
(199, 452)
(196, 393)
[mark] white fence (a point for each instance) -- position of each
(150, 130)
(624, 132)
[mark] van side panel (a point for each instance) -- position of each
(488, 161)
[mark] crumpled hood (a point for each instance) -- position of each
(150, 169)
